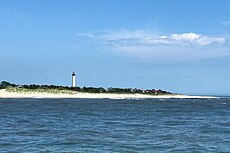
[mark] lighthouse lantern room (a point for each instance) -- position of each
(73, 79)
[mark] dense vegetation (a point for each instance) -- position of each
(64, 89)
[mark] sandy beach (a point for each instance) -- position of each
(6, 94)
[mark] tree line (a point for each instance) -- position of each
(5, 84)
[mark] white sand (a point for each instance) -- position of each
(6, 94)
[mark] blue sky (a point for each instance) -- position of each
(176, 45)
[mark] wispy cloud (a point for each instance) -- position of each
(225, 23)
(21, 16)
(162, 48)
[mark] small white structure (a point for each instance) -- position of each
(73, 79)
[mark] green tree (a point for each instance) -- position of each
(5, 84)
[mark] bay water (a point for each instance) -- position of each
(114, 125)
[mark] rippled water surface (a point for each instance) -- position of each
(104, 125)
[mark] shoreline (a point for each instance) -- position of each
(81, 95)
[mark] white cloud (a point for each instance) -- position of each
(185, 37)
(203, 41)
(171, 48)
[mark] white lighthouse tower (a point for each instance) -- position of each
(73, 79)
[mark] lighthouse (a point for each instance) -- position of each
(73, 79)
